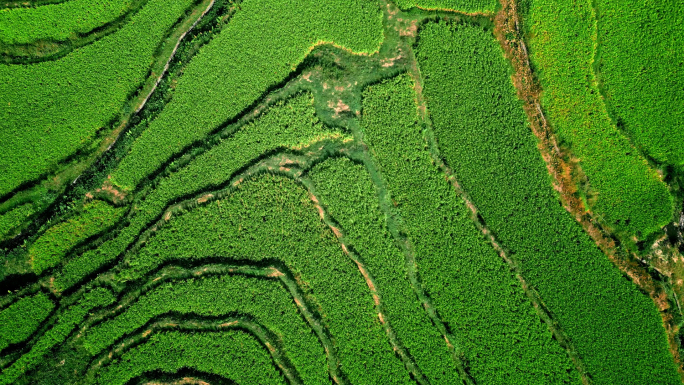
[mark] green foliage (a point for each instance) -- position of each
(233, 354)
(14, 218)
(22, 318)
(350, 197)
(273, 218)
(265, 300)
(482, 133)
(66, 322)
(263, 43)
(627, 194)
(639, 64)
(494, 324)
(49, 250)
(289, 124)
(453, 5)
(50, 110)
(59, 22)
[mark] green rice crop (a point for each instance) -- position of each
(495, 326)
(232, 354)
(288, 124)
(483, 135)
(467, 6)
(264, 42)
(639, 62)
(49, 250)
(50, 110)
(348, 193)
(14, 218)
(59, 22)
(273, 218)
(22, 318)
(265, 300)
(65, 324)
(626, 194)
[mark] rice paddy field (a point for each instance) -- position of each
(341, 192)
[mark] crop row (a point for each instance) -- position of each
(233, 354)
(465, 6)
(624, 192)
(22, 318)
(263, 43)
(287, 124)
(52, 109)
(46, 29)
(199, 324)
(482, 134)
(494, 325)
(264, 300)
(346, 191)
(49, 250)
(273, 218)
(637, 66)
(13, 219)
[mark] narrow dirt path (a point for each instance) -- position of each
(398, 348)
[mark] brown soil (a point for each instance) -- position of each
(108, 192)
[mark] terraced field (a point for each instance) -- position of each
(339, 192)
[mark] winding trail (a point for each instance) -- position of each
(370, 281)
(291, 166)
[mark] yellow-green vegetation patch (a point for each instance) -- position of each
(626, 194)
(639, 62)
(49, 250)
(264, 42)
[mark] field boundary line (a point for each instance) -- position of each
(198, 323)
(349, 251)
(410, 259)
(531, 293)
(58, 49)
(560, 165)
(271, 270)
